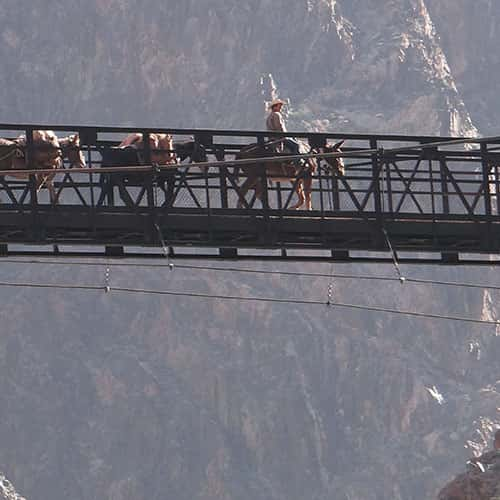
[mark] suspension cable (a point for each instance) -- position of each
(347, 276)
(270, 300)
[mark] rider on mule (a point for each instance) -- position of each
(276, 123)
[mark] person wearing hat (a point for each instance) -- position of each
(276, 123)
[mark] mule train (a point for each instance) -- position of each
(166, 152)
(49, 152)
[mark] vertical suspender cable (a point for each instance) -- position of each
(329, 185)
(402, 279)
(164, 246)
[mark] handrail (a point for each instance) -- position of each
(251, 161)
(238, 133)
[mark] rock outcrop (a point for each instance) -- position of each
(7, 490)
(480, 482)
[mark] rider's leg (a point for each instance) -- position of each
(292, 145)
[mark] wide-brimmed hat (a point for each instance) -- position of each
(276, 101)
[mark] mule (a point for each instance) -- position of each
(129, 153)
(48, 153)
(160, 145)
(300, 173)
(190, 149)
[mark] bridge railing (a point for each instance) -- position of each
(441, 182)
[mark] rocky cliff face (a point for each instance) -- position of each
(344, 65)
(128, 397)
(481, 481)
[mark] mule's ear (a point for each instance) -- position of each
(337, 146)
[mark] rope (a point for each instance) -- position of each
(8, 155)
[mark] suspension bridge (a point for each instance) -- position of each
(421, 199)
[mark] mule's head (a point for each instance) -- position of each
(199, 153)
(191, 149)
(336, 164)
(70, 147)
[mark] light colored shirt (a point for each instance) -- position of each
(275, 122)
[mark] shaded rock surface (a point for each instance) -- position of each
(135, 397)
(129, 397)
(480, 482)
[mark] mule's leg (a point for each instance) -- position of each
(170, 190)
(52, 192)
(103, 183)
(244, 188)
(49, 181)
(308, 191)
(259, 189)
(166, 182)
(124, 195)
(300, 194)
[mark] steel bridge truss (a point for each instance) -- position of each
(432, 200)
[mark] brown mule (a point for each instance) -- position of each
(299, 174)
(48, 153)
